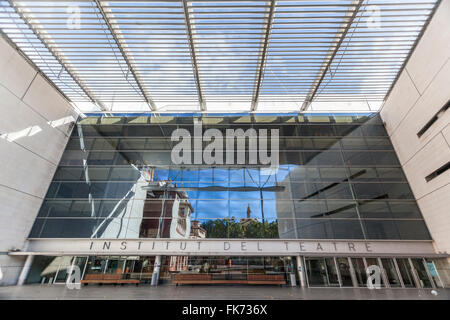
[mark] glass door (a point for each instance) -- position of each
(333, 278)
(422, 274)
(345, 272)
(406, 272)
(129, 267)
(434, 273)
(95, 265)
(360, 271)
(391, 272)
(321, 272)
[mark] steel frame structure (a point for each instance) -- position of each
(218, 55)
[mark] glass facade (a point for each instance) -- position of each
(338, 178)
(319, 271)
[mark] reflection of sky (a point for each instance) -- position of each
(229, 203)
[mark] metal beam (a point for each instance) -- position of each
(187, 20)
(315, 86)
(55, 55)
(416, 42)
(147, 98)
(263, 56)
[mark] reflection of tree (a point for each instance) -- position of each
(231, 228)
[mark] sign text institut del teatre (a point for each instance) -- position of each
(224, 247)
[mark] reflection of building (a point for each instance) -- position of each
(180, 263)
(166, 214)
(197, 231)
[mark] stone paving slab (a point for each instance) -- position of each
(224, 292)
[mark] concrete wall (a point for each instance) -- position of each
(421, 91)
(35, 124)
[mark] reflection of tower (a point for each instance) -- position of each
(249, 219)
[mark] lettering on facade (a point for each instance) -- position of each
(174, 246)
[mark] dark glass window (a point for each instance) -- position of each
(310, 209)
(412, 229)
(347, 229)
(314, 228)
(381, 229)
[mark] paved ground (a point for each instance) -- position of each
(168, 292)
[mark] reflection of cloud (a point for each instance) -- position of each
(55, 265)
(227, 203)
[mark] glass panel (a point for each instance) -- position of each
(118, 192)
(317, 272)
(95, 265)
(347, 229)
(391, 272)
(81, 263)
(115, 266)
(69, 174)
(64, 267)
(360, 271)
(381, 229)
(406, 272)
(313, 229)
(421, 271)
(344, 271)
(333, 279)
(374, 262)
(143, 269)
(226, 268)
(412, 229)
(439, 269)
(43, 270)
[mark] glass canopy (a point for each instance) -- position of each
(219, 56)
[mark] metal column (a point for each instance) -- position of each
(25, 270)
(301, 272)
(156, 270)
